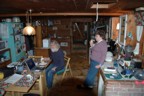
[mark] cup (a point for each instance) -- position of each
(42, 59)
(36, 63)
(29, 78)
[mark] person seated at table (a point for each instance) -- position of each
(57, 58)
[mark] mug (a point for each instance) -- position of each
(29, 78)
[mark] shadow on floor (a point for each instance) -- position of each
(68, 88)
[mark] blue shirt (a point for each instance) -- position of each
(57, 58)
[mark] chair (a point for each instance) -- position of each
(66, 69)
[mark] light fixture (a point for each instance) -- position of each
(29, 30)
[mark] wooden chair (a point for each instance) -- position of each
(67, 68)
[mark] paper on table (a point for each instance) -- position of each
(13, 79)
(42, 63)
(110, 70)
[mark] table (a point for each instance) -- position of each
(22, 86)
(39, 81)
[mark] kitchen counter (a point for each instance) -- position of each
(110, 86)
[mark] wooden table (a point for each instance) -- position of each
(14, 90)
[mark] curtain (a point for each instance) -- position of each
(139, 30)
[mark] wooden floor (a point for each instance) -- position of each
(79, 64)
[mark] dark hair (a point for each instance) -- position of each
(101, 33)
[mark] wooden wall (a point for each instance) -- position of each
(64, 28)
(60, 30)
(114, 22)
(131, 27)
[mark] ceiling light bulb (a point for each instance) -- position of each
(29, 30)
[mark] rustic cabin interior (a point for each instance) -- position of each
(28, 26)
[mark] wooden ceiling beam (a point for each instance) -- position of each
(64, 14)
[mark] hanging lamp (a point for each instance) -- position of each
(29, 30)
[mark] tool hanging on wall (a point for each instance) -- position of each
(79, 30)
(97, 13)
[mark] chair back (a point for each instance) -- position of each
(67, 68)
(67, 62)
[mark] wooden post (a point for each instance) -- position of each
(38, 36)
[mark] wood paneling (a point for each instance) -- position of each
(66, 7)
(115, 21)
(41, 52)
(131, 27)
(38, 36)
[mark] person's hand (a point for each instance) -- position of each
(98, 66)
(91, 43)
(54, 68)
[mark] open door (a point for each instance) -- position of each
(80, 37)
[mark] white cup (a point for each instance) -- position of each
(29, 78)
(36, 63)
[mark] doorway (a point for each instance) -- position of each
(80, 36)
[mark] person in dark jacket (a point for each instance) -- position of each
(57, 57)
